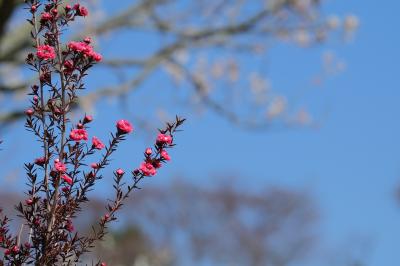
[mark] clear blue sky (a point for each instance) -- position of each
(351, 163)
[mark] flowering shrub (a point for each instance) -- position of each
(59, 180)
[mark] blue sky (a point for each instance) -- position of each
(350, 163)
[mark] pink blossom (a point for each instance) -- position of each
(67, 179)
(45, 52)
(60, 167)
(120, 171)
(29, 202)
(81, 10)
(147, 169)
(97, 144)
(46, 17)
(165, 155)
(164, 139)
(78, 46)
(95, 56)
(86, 49)
(78, 134)
(124, 127)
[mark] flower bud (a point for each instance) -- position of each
(29, 112)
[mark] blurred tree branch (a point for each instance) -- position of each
(199, 26)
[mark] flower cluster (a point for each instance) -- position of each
(45, 52)
(153, 161)
(84, 48)
(60, 178)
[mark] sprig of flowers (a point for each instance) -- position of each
(60, 178)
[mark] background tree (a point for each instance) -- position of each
(185, 224)
(201, 46)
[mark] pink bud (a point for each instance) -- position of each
(87, 40)
(94, 165)
(29, 201)
(15, 249)
(120, 171)
(87, 119)
(29, 112)
(149, 151)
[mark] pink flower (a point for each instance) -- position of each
(78, 134)
(147, 169)
(97, 144)
(60, 167)
(67, 179)
(124, 127)
(120, 171)
(86, 49)
(164, 139)
(81, 10)
(103, 264)
(95, 56)
(46, 17)
(29, 202)
(45, 52)
(148, 151)
(78, 46)
(165, 155)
